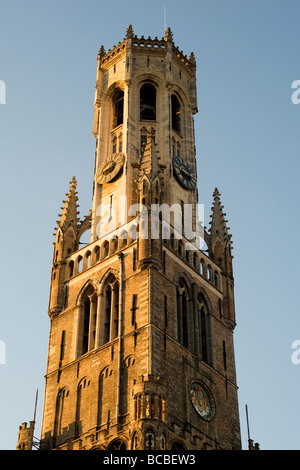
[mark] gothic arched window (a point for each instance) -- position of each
(148, 102)
(175, 113)
(177, 446)
(118, 105)
(61, 413)
(111, 309)
(83, 398)
(182, 314)
(149, 440)
(89, 314)
(203, 318)
(117, 445)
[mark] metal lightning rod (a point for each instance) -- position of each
(165, 18)
(36, 397)
(247, 422)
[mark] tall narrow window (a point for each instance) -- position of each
(118, 105)
(62, 345)
(184, 321)
(111, 313)
(175, 113)
(107, 315)
(87, 321)
(224, 356)
(148, 103)
(86, 327)
(61, 414)
(203, 335)
(182, 315)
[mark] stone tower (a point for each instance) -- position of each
(141, 351)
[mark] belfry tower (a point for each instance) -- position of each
(141, 351)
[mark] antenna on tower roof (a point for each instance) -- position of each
(35, 405)
(251, 446)
(165, 18)
(247, 417)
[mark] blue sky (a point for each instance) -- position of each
(247, 140)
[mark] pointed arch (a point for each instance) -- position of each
(184, 312)
(106, 275)
(117, 444)
(150, 440)
(61, 414)
(148, 102)
(204, 312)
(87, 303)
(91, 282)
(82, 420)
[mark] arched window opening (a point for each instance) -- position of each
(135, 441)
(118, 106)
(172, 239)
(209, 275)
(79, 264)
(182, 314)
(139, 407)
(117, 445)
(149, 440)
(96, 254)
(163, 442)
(216, 279)
(175, 113)
(87, 259)
(60, 413)
(83, 396)
(71, 268)
(203, 334)
(86, 326)
(148, 102)
(195, 260)
(180, 248)
(204, 330)
(107, 315)
(111, 320)
(87, 322)
(105, 249)
(177, 446)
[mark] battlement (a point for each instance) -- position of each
(142, 44)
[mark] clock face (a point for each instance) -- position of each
(110, 168)
(202, 400)
(184, 173)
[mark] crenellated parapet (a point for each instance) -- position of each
(147, 45)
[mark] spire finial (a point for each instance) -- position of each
(216, 193)
(129, 32)
(192, 58)
(70, 209)
(169, 35)
(218, 222)
(101, 52)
